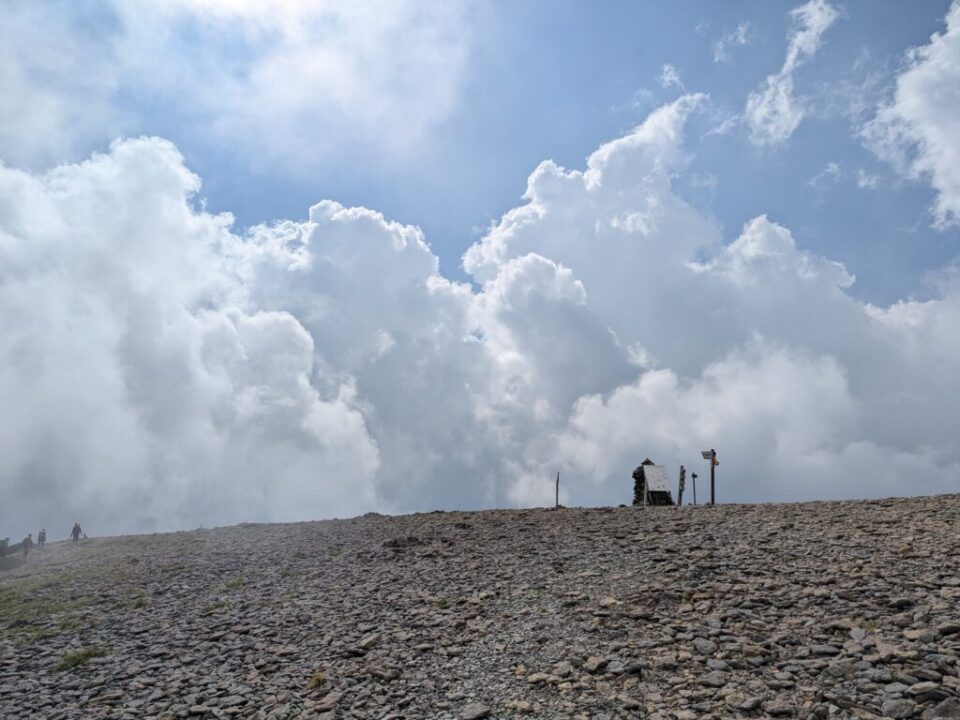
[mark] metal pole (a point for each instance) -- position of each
(558, 489)
(694, 478)
(713, 473)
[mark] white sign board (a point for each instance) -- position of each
(656, 476)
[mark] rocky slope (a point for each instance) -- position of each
(814, 610)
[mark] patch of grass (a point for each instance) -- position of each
(27, 636)
(318, 680)
(68, 623)
(123, 569)
(134, 602)
(75, 659)
(28, 604)
(42, 634)
(172, 568)
(238, 583)
(443, 603)
(212, 608)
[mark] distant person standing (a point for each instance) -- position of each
(42, 538)
(27, 544)
(683, 484)
(4, 544)
(76, 532)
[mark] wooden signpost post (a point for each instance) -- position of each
(711, 455)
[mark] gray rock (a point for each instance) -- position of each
(594, 664)
(704, 646)
(321, 620)
(474, 711)
(949, 709)
(778, 708)
(825, 650)
(714, 679)
(898, 709)
(951, 627)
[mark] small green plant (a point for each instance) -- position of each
(69, 622)
(75, 659)
(138, 603)
(238, 583)
(443, 603)
(318, 680)
(26, 604)
(43, 634)
(212, 608)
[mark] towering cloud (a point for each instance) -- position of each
(139, 392)
(161, 369)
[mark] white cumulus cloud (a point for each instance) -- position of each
(291, 81)
(774, 112)
(917, 130)
(164, 369)
(141, 391)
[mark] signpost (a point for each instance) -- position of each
(650, 485)
(656, 478)
(711, 455)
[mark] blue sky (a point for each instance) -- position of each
(472, 244)
(554, 80)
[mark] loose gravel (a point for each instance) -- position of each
(816, 610)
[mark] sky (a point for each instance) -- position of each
(292, 260)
